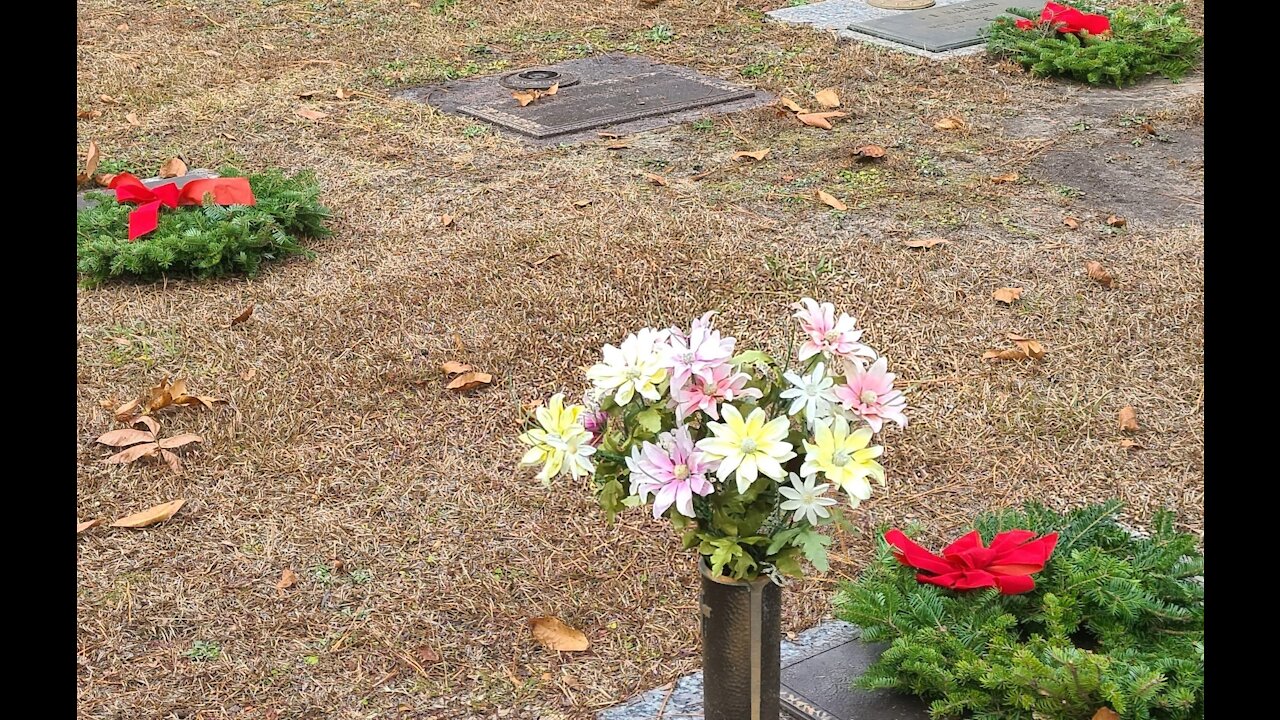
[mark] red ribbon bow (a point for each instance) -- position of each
(145, 217)
(1068, 20)
(965, 564)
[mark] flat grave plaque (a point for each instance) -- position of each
(609, 102)
(942, 27)
(819, 687)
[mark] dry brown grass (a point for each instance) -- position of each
(346, 446)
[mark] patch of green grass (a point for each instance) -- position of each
(703, 125)
(867, 181)
(928, 166)
(311, 660)
(474, 131)
(138, 344)
(756, 69)
(202, 651)
(793, 274)
(438, 7)
(660, 34)
(1067, 191)
(429, 70)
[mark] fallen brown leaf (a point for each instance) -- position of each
(1116, 221)
(791, 105)
(173, 167)
(446, 220)
(123, 27)
(1099, 274)
(108, 99)
(524, 97)
(469, 381)
(657, 179)
(832, 200)
(453, 367)
(617, 146)
(869, 152)
(81, 527)
(344, 94)
(249, 374)
(950, 122)
(288, 578)
(1071, 223)
(1008, 177)
(753, 154)
(150, 516)
(426, 655)
(827, 98)
(1128, 419)
(1032, 348)
(924, 242)
(581, 203)
(307, 94)
(1130, 444)
(165, 394)
(89, 114)
(243, 316)
(555, 635)
(1105, 713)
(132, 119)
(1007, 294)
(91, 159)
(104, 179)
(310, 114)
(545, 259)
(820, 119)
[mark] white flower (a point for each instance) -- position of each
(814, 393)
(636, 367)
(751, 446)
(806, 499)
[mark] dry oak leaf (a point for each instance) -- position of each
(1008, 177)
(791, 105)
(310, 114)
(132, 119)
(950, 122)
(753, 154)
(925, 243)
(82, 526)
(243, 316)
(1032, 348)
(288, 578)
(827, 98)
(820, 119)
(90, 162)
(1099, 274)
(1105, 713)
(453, 367)
(524, 97)
(831, 200)
(869, 152)
(1071, 223)
(1128, 419)
(1116, 221)
(1007, 295)
(555, 635)
(151, 516)
(173, 167)
(469, 381)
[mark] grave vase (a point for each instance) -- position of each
(741, 647)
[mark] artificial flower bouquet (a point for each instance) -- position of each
(742, 452)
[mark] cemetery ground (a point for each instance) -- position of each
(420, 551)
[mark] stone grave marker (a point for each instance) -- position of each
(942, 27)
(616, 93)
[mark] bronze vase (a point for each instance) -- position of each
(741, 647)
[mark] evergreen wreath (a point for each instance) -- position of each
(1114, 620)
(203, 241)
(1144, 40)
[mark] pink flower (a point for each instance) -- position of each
(870, 395)
(596, 423)
(705, 395)
(673, 469)
(826, 334)
(696, 354)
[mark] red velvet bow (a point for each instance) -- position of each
(1067, 19)
(144, 218)
(965, 564)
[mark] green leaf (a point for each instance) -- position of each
(781, 539)
(752, 357)
(650, 420)
(815, 545)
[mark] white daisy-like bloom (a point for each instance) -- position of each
(807, 499)
(813, 393)
(636, 367)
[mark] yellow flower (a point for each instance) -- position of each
(844, 458)
(561, 444)
(751, 447)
